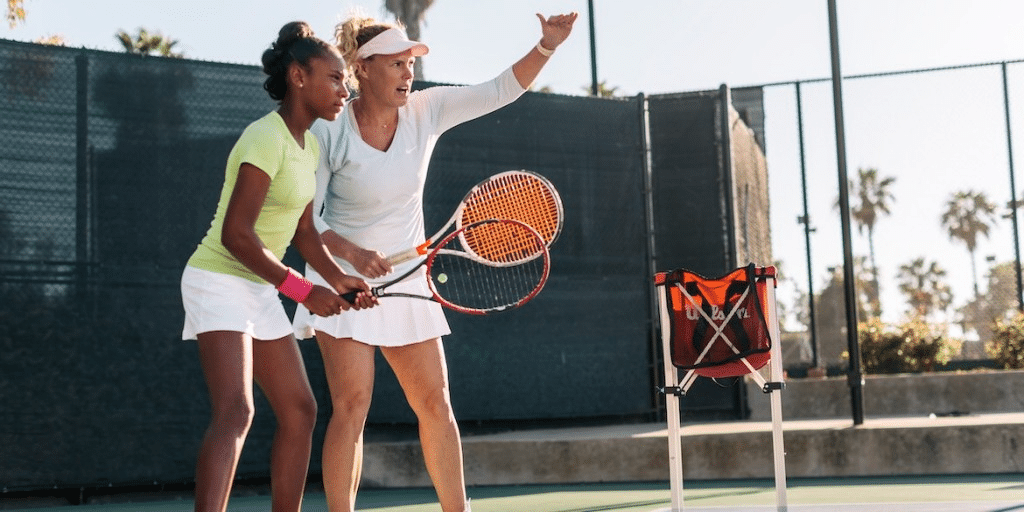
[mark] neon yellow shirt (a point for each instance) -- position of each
(268, 145)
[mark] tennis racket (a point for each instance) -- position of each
(484, 267)
(515, 195)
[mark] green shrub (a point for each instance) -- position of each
(915, 346)
(1007, 345)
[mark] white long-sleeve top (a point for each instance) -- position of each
(375, 198)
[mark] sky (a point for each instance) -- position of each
(934, 132)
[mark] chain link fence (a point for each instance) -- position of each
(929, 160)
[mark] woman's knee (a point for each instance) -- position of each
(433, 405)
(352, 402)
(300, 413)
(233, 416)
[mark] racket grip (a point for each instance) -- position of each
(351, 296)
(403, 257)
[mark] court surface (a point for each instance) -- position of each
(975, 493)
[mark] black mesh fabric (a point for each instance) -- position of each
(110, 169)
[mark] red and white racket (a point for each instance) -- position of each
(487, 266)
(512, 195)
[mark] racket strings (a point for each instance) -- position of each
(517, 273)
(469, 283)
(516, 196)
(502, 242)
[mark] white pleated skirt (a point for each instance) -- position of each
(394, 322)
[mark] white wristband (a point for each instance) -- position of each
(544, 51)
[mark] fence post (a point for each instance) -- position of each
(726, 167)
(806, 220)
(82, 182)
(855, 377)
(1013, 193)
(594, 84)
(652, 264)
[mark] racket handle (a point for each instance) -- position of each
(351, 296)
(404, 256)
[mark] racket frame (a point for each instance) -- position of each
(456, 218)
(543, 252)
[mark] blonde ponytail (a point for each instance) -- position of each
(352, 33)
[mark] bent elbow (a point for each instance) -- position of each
(233, 240)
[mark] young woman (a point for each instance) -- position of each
(230, 286)
(371, 177)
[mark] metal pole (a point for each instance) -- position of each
(652, 254)
(806, 219)
(593, 52)
(728, 190)
(855, 377)
(82, 181)
(1013, 193)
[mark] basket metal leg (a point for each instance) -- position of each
(675, 443)
(775, 364)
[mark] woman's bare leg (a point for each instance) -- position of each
(349, 366)
(281, 374)
(226, 359)
(423, 373)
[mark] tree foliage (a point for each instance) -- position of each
(830, 309)
(873, 199)
(1007, 345)
(603, 90)
(410, 13)
(924, 285)
(915, 346)
(145, 42)
(15, 12)
(51, 40)
(968, 216)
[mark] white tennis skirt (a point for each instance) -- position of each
(221, 302)
(394, 322)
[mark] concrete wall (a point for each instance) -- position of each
(942, 393)
(978, 428)
(984, 444)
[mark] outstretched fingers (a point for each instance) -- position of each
(556, 29)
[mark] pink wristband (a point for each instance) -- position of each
(295, 287)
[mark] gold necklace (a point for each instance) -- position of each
(383, 126)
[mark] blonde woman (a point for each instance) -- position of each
(370, 182)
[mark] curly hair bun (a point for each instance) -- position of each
(295, 43)
(286, 37)
(294, 31)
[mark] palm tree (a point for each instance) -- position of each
(874, 198)
(924, 285)
(146, 43)
(603, 90)
(410, 13)
(968, 215)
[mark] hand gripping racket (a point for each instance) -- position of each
(484, 267)
(516, 195)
